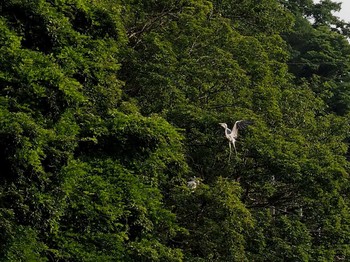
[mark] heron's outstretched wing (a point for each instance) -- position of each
(240, 124)
(244, 123)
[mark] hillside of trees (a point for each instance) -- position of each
(109, 107)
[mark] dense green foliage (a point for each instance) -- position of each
(108, 108)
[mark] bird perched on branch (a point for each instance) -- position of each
(193, 183)
(232, 135)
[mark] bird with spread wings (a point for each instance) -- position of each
(232, 135)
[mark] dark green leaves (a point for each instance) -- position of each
(109, 108)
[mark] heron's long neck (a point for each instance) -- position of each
(228, 134)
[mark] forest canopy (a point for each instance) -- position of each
(108, 109)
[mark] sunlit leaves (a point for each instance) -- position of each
(108, 108)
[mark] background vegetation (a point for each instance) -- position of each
(108, 108)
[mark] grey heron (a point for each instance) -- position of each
(193, 183)
(232, 135)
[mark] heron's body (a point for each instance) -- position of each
(193, 183)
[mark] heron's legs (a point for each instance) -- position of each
(234, 147)
(229, 156)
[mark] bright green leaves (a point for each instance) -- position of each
(110, 200)
(50, 75)
(116, 198)
(110, 207)
(94, 210)
(76, 63)
(8, 39)
(147, 144)
(35, 82)
(23, 142)
(108, 107)
(24, 246)
(31, 158)
(46, 26)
